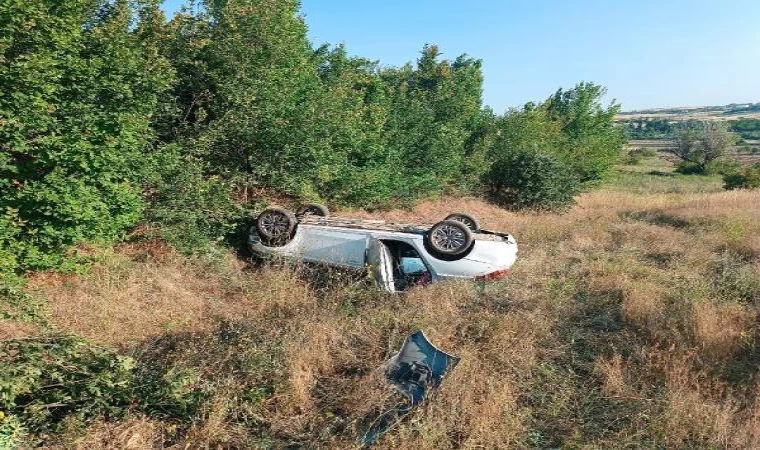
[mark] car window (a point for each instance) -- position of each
(412, 265)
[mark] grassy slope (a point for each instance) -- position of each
(629, 321)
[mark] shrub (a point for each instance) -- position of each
(187, 208)
(15, 304)
(50, 382)
(690, 168)
(43, 381)
(643, 152)
(80, 80)
(11, 431)
(747, 178)
(10, 245)
(527, 179)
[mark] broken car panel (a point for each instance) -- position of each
(418, 368)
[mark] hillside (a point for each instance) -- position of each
(629, 321)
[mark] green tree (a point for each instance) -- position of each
(352, 118)
(80, 82)
(253, 94)
(435, 110)
(700, 143)
(594, 142)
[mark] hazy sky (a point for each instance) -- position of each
(648, 53)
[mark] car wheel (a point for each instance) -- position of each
(449, 238)
(313, 209)
(275, 224)
(466, 219)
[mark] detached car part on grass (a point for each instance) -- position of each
(416, 370)
(399, 255)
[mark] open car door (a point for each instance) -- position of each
(381, 264)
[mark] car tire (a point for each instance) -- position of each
(449, 238)
(313, 209)
(466, 219)
(275, 224)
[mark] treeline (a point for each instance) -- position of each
(110, 115)
(648, 128)
(746, 128)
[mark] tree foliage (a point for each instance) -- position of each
(80, 80)
(593, 142)
(745, 178)
(700, 143)
(110, 115)
(533, 179)
(571, 134)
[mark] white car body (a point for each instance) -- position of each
(388, 249)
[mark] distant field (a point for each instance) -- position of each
(713, 113)
(745, 154)
(698, 115)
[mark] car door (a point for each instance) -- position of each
(333, 246)
(381, 264)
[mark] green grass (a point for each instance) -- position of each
(655, 175)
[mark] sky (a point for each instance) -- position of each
(647, 53)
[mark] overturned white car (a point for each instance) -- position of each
(399, 255)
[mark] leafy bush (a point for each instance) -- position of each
(747, 178)
(690, 168)
(528, 179)
(80, 82)
(15, 304)
(187, 208)
(10, 245)
(12, 432)
(48, 382)
(643, 152)
(44, 381)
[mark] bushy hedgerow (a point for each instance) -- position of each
(531, 179)
(93, 87)
(187, 208)
(746, 178)
(45, 380)
(80, 80)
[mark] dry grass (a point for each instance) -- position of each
(138, 293)
(630, 321)
(14, 329)
(134, 434)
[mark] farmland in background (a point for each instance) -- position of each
(649, 128)
(726, 112)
